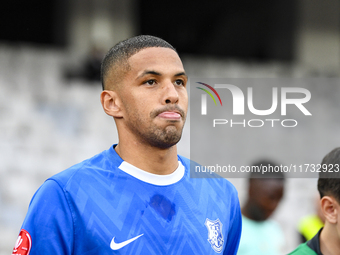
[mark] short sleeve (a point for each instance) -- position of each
(49, 221)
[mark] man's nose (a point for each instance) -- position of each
(170, 93)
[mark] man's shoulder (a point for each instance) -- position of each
(86, 169)
(303, 249)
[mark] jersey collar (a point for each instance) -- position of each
(155, 179)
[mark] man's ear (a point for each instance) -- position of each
(111, 103)
(330, 209)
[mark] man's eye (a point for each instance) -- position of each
(179, 82)
(150, 82)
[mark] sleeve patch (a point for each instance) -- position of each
(23, 244)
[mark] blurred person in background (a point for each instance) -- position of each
(260, 234)
(92, 64)
(327, 240)
(137, 197)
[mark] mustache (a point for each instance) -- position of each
(170, 108)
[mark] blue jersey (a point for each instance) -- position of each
(105, 205)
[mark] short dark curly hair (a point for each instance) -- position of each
(329, 175)
(117, 57)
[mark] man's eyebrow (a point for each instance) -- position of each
(149, 72)
(159, 74)
(181, 74)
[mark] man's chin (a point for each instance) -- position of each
(165, 144)
(166, 140)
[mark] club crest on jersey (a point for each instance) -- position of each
(215, 236)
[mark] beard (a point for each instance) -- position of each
(163, 139)
(156, 136)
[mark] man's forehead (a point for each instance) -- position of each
(155, 56)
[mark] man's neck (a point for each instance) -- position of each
(148, 158)
(329, 240)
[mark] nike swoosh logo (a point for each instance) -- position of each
(116, 246)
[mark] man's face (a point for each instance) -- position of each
(265, 195)
(154, 97)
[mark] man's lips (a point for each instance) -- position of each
(169, 115)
